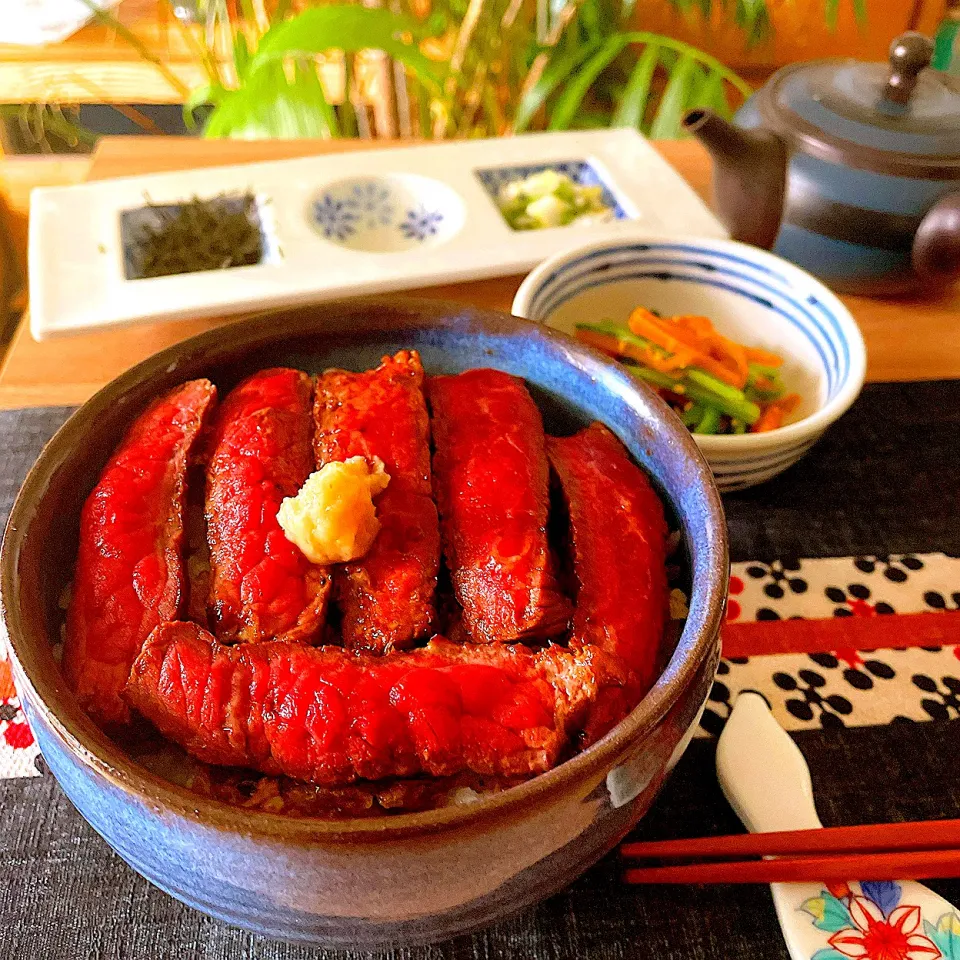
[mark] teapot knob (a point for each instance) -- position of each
(909, 54)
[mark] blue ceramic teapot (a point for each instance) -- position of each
(849, 169)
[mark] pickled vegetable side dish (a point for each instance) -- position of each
(715, 385)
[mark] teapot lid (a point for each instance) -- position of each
(901, 119)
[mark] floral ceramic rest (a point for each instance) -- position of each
(767, 782)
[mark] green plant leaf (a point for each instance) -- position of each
(568, 103)
(860, 12)
(633, 104)
(753, 17)
(554, 74)
(698, 80)
(349, 28)
(672, 51)
(831, 10)
(666, 123)
(198, 97)
(591, 19)
(241, 54)
(710, 93)
(270, 106)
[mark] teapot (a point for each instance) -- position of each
(849, 169)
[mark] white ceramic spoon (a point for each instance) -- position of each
(766, 780)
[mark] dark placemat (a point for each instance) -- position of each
(66, 896)
(884, 479)
(873, 485)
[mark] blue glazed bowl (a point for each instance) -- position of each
(393, 880)
(751, 296)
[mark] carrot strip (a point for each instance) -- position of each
(695, 356)
(616, 347)
(770, 419)
(764, 357)
(789, 403)
(601, 341)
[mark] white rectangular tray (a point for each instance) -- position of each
(342, 224)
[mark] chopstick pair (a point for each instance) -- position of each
(897, 851)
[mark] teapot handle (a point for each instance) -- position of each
(936, 246)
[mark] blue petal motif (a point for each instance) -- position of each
(421, 223)
(336, 218)
(884, 893)
(828, 953)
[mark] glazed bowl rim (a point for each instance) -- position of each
(810, 426)
(95, 751)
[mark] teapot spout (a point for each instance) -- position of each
(749, 176)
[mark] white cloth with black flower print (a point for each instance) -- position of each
(844, 687)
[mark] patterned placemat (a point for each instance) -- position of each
(860, 540)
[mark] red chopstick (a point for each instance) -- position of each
(868, 838)
(899, 865)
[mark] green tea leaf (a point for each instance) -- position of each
(568, 103)
(666, 123)
(633, 104)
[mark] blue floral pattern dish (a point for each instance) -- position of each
(386, 214)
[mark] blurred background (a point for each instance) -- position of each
(453, 67)
(72, 71)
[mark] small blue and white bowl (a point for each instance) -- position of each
(751, 296)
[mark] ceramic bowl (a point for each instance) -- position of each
(751, 296)
(394, 880)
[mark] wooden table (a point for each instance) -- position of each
(908, 339)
